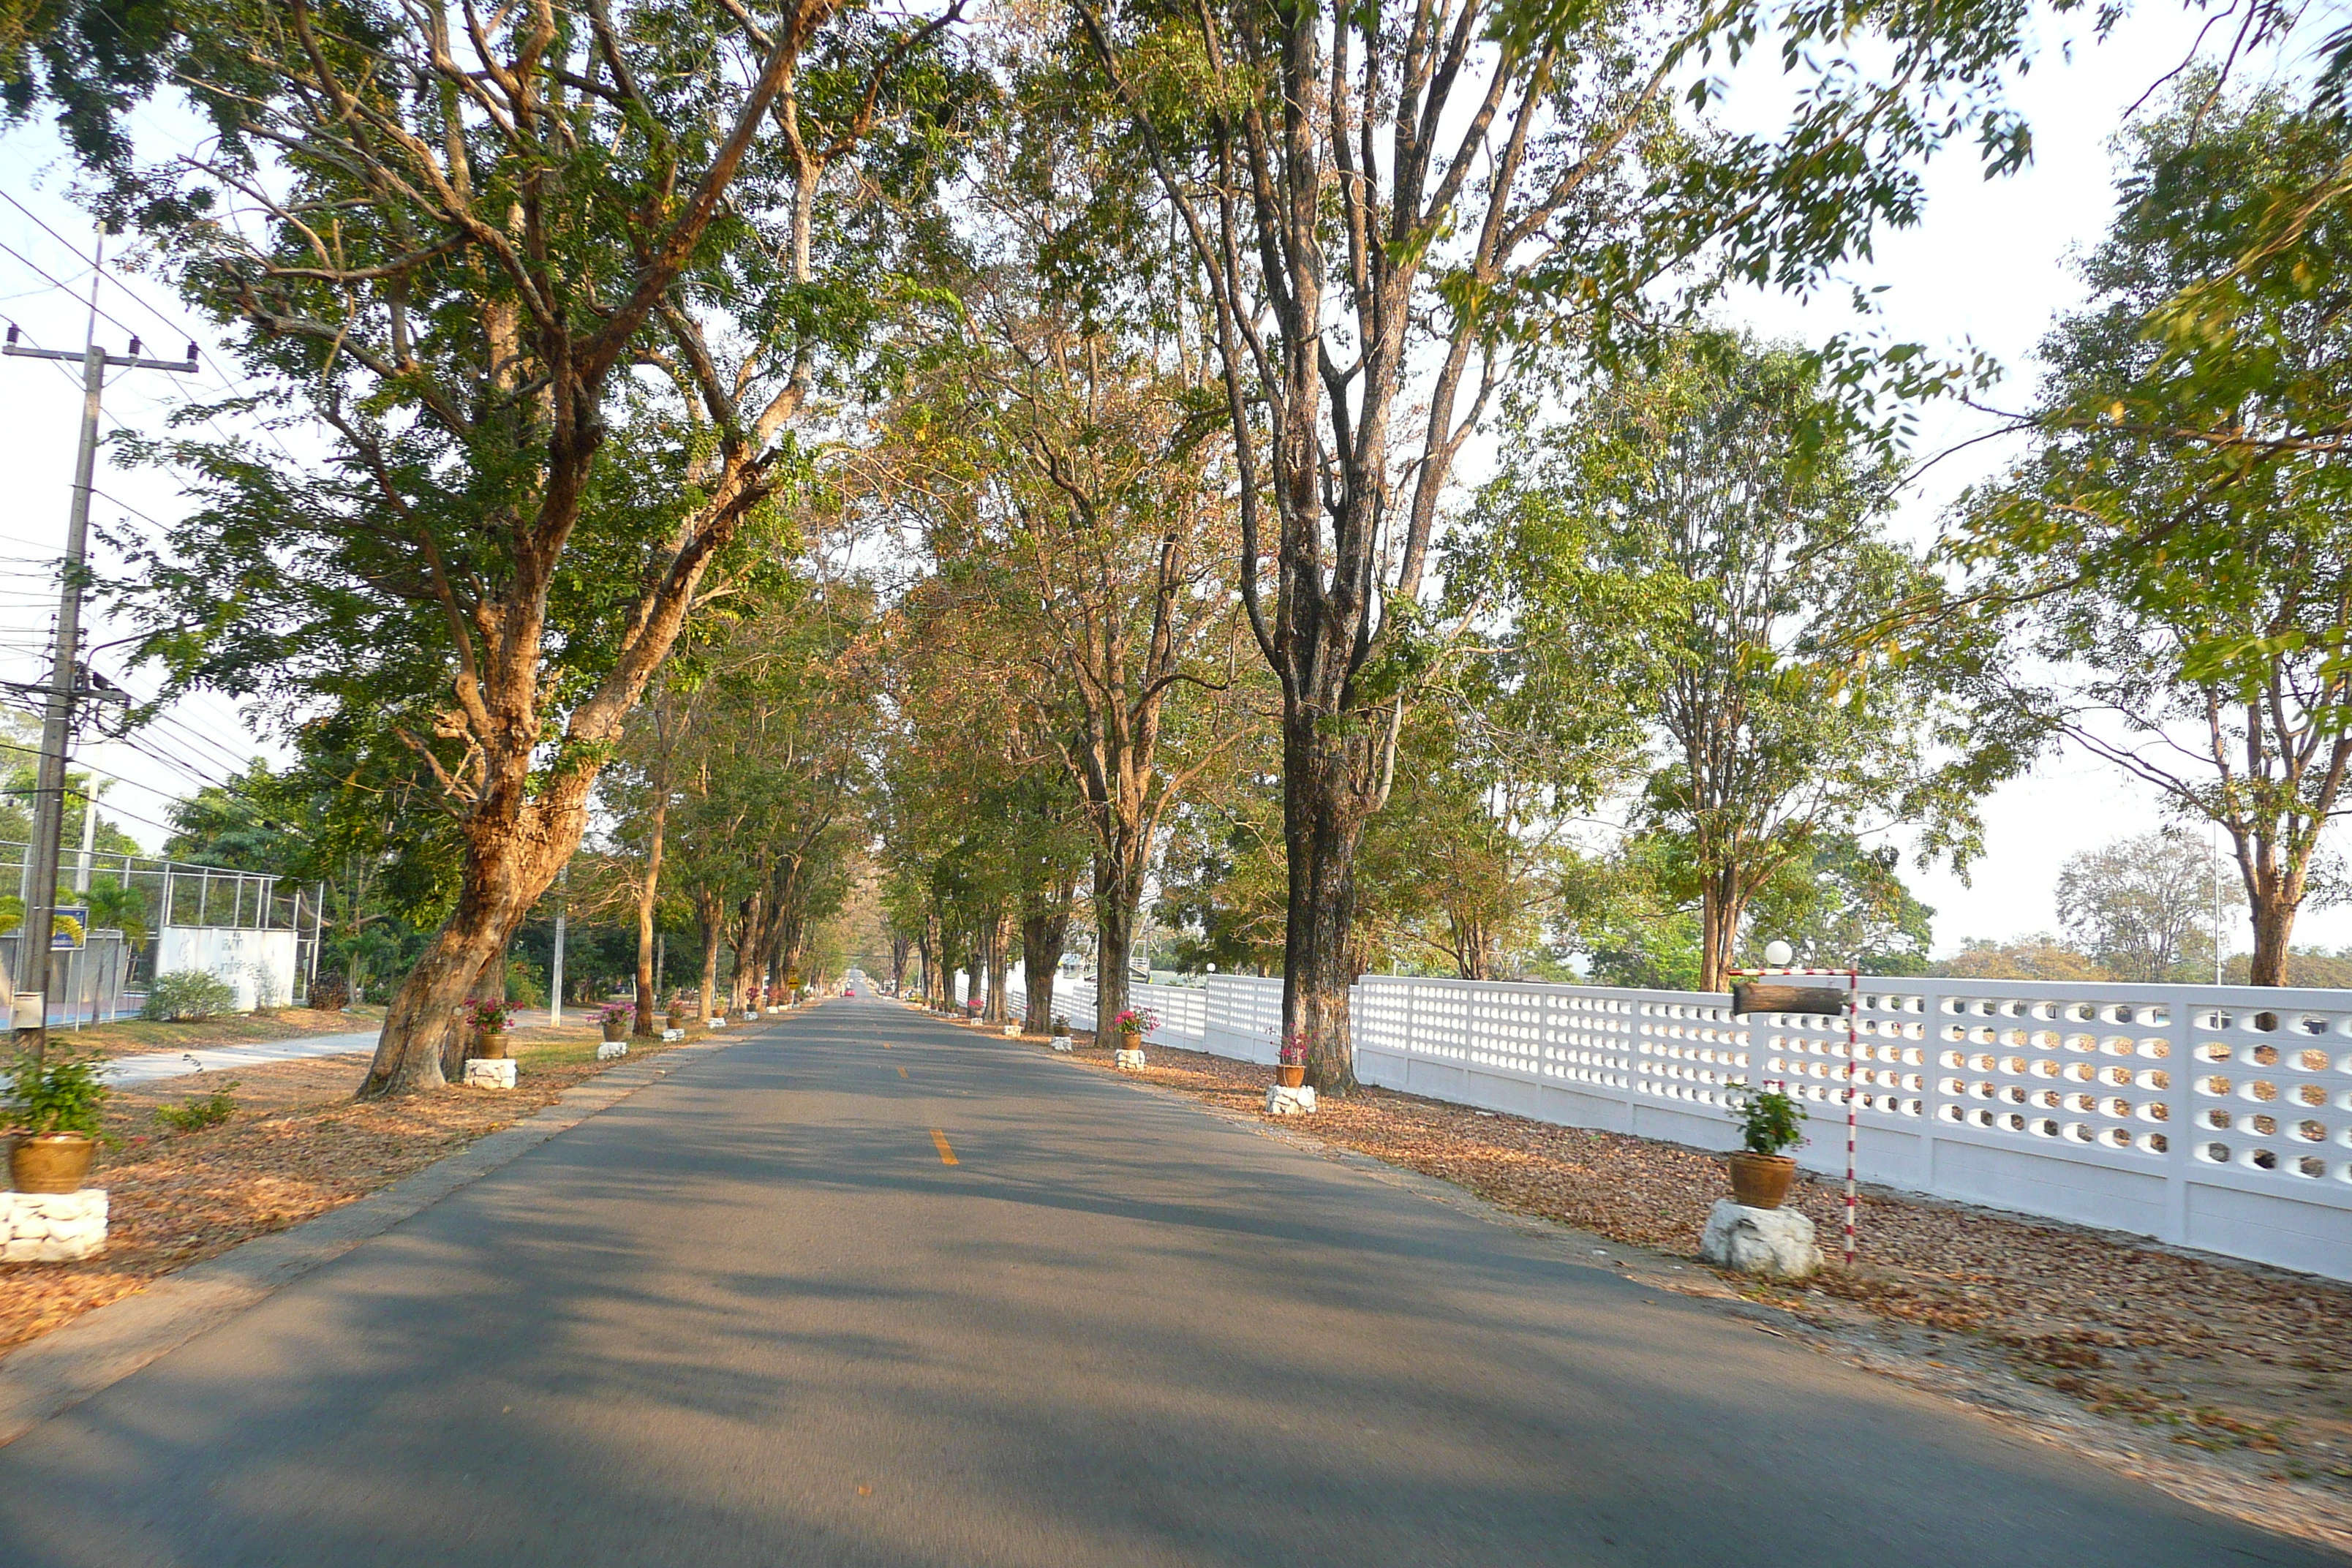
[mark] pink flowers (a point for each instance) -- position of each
(1137, 1021)
(1294, 1049)
(490, 1018)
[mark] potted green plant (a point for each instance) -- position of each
(1290, 1067)
(54, 1107)
(1771, 1123)
(490, 1020)
(614, 1018)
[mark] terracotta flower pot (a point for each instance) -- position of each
(615, 1029)
(51, 1162)
(1290, 1075)
(1761, 1181)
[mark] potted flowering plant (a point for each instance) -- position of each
(1131, 1027)
(490, 1021)
(53, 1106)
(1771, 1123)
(1290, 1068)
(614, 1018)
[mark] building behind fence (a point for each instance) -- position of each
(2208, 1116)
(258, 933)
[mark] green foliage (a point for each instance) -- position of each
(1690, 549)
(2041, 956)
(1770, 1122)
(2173, 552)
(195, 1115)
(61, 1092)
(187, 994)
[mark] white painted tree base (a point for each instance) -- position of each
(483, 1072)
(606, 1051)
(1775, 1243)
(1129, 1060)
(1281, 1102)
(52, 1227)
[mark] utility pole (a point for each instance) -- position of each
(88, 837)
(65, 681)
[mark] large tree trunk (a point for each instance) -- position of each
(1043, 935)
(508, 867)
(1718, 921)
(898, 946)
(713, 924)
(750, 945)
(1323, 823)
(999, 961)
(1114, 903)
(649, 892)
(2273, 916)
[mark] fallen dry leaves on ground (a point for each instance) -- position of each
(2227, 1364)
(297, 1146)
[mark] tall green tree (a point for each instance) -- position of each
(1719, 519)
(2177, 551)
(555, 286)
(1393, 211)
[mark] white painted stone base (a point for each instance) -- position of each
(1281, 1102)
(1776, 1242)
(673, 1034)
(482, 1072)
(1128, 1060)
(1061, 1042)
(52, 1227)
(607, 1050)
(716, 1023)
(1012, 1031)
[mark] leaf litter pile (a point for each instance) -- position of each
(2234, 1370)
(296, 1145)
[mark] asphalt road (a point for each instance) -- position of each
(753, 1315)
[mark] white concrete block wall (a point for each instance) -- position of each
(2215, 1117)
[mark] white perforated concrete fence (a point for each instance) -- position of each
(2214, 1117)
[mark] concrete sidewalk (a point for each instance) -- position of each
(150, 1066)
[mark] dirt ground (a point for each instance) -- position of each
(2228, 1384)
(296, 1145)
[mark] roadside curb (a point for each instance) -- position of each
(59, 1371)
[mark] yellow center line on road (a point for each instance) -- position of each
(946, 1155)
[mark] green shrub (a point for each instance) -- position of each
(188, 993)
(196, 1115)
(60, 1094)
(1770, 1122)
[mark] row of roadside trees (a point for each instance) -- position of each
(1022, 465)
